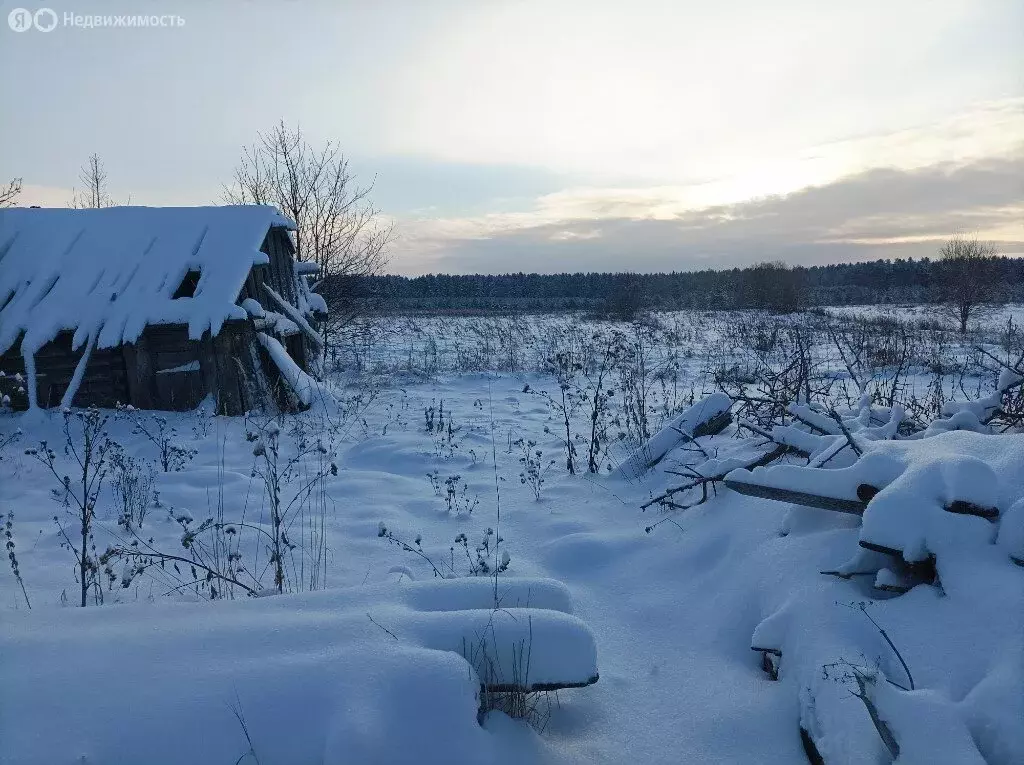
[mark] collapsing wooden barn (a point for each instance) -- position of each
(159, 308)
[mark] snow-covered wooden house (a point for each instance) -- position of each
(155, 307)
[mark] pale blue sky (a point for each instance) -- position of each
(566, 134)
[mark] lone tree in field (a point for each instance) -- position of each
(93, 177)
(774, 286)
(336, 225)
(9, 193)
(967, 278)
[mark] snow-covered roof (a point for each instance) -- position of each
(108, 273)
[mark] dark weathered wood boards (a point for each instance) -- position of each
(104, 383)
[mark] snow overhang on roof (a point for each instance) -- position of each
(109, 273)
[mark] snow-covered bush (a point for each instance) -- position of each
(486, 558)
(456, 496)
(597, 394)
(564, 404)
(12, 391)
(12, 557)
(6, 439)
(156, 428)
(445, 435)
(291, 478)
(132, 480)
(213, 558)
(534, 467)
(87, 446)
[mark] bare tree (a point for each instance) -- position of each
(93, 177)
(967, 278)
(9, 193)
(336, 225)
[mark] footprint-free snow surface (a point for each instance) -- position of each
(375, 668)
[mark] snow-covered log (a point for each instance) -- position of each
(848, 490)
(515, 648)
(705, 418)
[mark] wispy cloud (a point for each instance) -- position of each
(878, 213)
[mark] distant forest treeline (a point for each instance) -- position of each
(880, 281)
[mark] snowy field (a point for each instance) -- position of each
(428, 537)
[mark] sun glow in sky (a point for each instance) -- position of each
(507, 135)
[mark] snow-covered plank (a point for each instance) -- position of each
(296, 316)
(327, 672)
(301, 384)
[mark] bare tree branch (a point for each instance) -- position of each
(93, 177)
(9, 193)
(336, 225)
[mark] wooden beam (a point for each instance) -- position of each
(534, 687)
(960, 507)
(810, 748)
(807, 499)
(923, 570)
(227, 348)
(865, 493)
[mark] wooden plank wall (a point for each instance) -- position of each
(104, 383)
(279, 273)
(163, 347)
(282, 274)
(232, 364)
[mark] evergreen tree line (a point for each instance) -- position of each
(774, 286)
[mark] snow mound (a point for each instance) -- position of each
(925, 676)
(1011, 532)
(382, 673)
